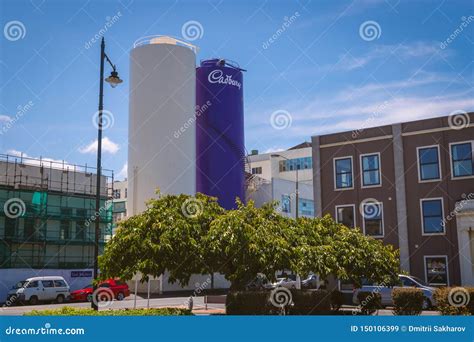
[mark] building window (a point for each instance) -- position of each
(65, 224)
(285, 204)
(370, 164)
(257, 170)
(296, 163)
(345, 215)
(116, 193)
(462, 160)
(372, 214)
(436, 270)
(343, 173)
(126, 192)
(10, 227)
(428, 163)
(30, 229)
(432, 216)
(81, 224)
(306, 207)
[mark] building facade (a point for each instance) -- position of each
(274, 178)
(410, 185)
(47, 220)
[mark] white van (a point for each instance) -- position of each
(39, 289)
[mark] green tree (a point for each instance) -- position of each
(166, 236)
(188, 235)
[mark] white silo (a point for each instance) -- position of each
(162, 136)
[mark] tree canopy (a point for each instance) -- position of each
(187, 235)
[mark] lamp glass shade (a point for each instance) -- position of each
(114, 80)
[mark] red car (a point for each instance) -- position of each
(119, 289)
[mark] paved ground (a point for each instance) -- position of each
(199, 307)
(126, 303)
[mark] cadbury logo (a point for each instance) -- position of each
(217, 76)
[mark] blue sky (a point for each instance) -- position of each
(314, 67)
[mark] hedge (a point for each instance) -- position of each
(303, 302)
(70, 311)
(459, 295)
(248, 303)
(408, 301)
(369, 302)
(310, 302)
(337, 299)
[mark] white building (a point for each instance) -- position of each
(274, 178)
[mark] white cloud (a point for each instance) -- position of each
(348, 61)
(123, 172)
(40, 161)
(107, 146)
(5, 118)
(274, 149)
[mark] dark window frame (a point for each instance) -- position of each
(337, 174)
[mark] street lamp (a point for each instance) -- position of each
(296, 184)
(114, 80)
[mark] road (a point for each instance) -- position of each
(126, 303)
(154, 303)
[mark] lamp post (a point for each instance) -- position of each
(296, 184)
(114, 80)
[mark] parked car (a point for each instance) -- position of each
(260, 282)
(311, 282)
(405, 281)
(289, 281)
(118, 288)
(39, 289)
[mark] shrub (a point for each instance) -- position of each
(441, 297)
(337, 299)
(310, 302)
(70, 311)
(248, 303)
(408, 301)
(369, 302)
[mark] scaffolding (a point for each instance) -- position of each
(47, 213)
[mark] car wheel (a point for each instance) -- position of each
(33, 300)
(89, 297)
(120, 296)
(60, 299)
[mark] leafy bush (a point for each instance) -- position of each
(310, 302)
(408, 301)
(70, 311)
(369, 302)
(441, 297)
(337, 299)
(248, 303)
